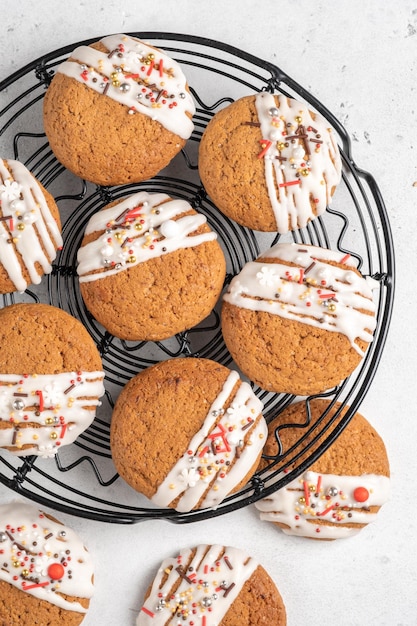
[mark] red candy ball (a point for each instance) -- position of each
(56, 571)
(361, 494)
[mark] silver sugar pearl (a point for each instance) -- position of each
(332, 491)
(18, 404)
(62, 533)
(182, 95)
(125, 87)
(214, 596)
(273, 111)
(3, 537)
(206, 601)
(83, 66)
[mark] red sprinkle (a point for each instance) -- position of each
(329, 508)
(150, 68)
(266, 144)
(27, 587)
(147, 611)
(306, 493)
(289, 183)
(40, 396)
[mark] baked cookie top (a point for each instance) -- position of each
(51, 379)
(117, 111)
(269, 162)
(212, 585)
(150, 267)
(138, 76)
(342, 491)
(207, 438)
(30, 228)
(44, 558)
(310, 285)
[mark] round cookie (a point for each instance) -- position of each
(150, 267)
(269, 163)
(342, 491)
(30, 228)
(51, 379)
(212, 585)
(186, 433)
(46, 570)
(298, 320)
(117, 111)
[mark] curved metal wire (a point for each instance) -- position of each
(82, 479)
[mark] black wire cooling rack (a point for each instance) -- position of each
(82, 480)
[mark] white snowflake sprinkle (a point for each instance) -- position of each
(189, 477)
(10, 190)
(266, 276)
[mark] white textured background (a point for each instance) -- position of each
(360, 59)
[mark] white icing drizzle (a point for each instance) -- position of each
(301, 159)
(337, 500)
(314, 293)
(30, 229)
(220, 454)
(43, 558)
(61, 405)
(136, 230)
(143, 79)
(223, 572)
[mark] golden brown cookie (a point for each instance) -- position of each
(51, 379)
(47, 574)
(117, 111)
(30, 228)
(342, 491)
(186, 433)
(299, 319)
(212, 585)
(269, 163)
(150, 267)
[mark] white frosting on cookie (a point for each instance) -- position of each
(220, 454)
(28, 232)
(138, 76)
(301, 157)
(337, 500)
(43, 558)
(47, 411)
(140, 228)
(197, 589)
(314, 292)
